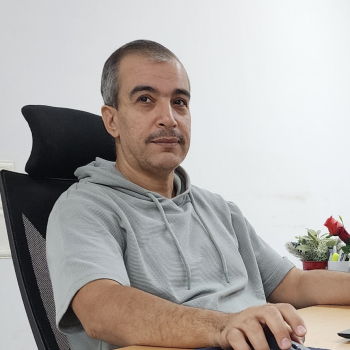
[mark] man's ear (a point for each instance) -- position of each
(109, 117)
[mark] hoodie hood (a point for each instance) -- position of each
(105, 173)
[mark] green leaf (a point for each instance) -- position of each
(311, 232)
(346, 249)
(313, 236)
(330, 242)
(307, 238)
(341, 219)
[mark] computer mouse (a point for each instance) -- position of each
(274, 346)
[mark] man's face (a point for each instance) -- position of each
(153, 120)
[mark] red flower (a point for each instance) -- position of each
(333, 226)
(336, 228)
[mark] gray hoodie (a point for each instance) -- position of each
(195, 249)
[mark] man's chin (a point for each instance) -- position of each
(166, 164)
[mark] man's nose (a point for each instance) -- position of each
(166, 116)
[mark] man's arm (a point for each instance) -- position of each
(127, 316)
(315, 287)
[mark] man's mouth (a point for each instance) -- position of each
(166, 141)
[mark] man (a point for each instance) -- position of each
(138, 256)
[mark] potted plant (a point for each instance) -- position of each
(312, 249)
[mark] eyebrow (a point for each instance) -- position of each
(182, 92)
(139, 88)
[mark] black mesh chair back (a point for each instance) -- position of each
(27, 203)
(60, 145)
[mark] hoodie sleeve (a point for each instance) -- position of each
(256, 252)
(84, 243)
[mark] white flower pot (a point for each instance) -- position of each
(339, 266)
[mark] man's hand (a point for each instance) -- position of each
(126, 316)
(249, 325)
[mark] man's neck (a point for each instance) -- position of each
(159, 183)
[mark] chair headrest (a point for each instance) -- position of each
(65, 139)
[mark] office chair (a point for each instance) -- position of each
(63, 139)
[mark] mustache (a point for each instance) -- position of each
(166, 133)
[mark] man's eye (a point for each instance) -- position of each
(180, 102)
(144, 99)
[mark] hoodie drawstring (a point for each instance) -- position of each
(222, 257)
(182, 255)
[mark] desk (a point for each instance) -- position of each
(323, 323)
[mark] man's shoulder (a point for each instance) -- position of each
(81, 189)
(207, 194)
(215, 200)
(83, 196)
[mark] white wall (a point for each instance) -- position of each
(270, 99)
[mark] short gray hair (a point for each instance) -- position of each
(110, 79)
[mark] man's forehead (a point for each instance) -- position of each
(138, 70)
